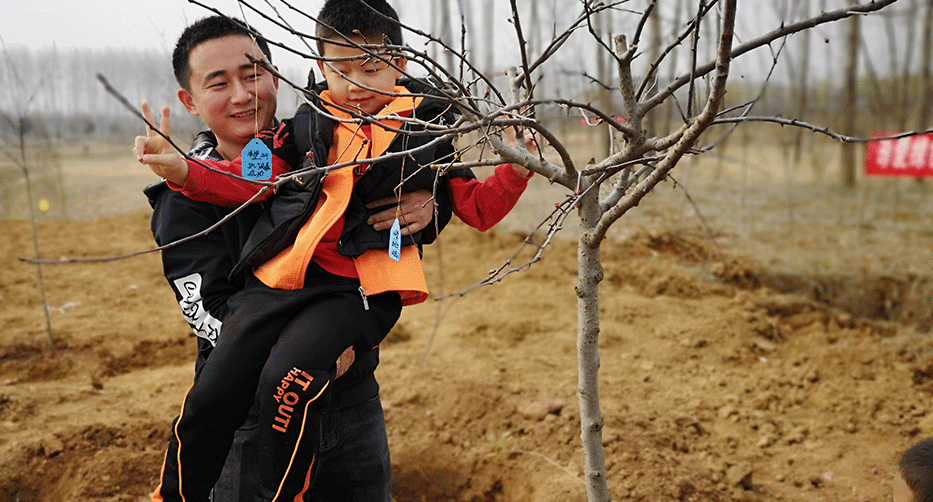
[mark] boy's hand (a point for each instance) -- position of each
(345, 361)
(156, 152)
(415, 212)
(530, 145)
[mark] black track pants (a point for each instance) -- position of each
(279, 348)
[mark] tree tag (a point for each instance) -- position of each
(395, 241)
(257, 161)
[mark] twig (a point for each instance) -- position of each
(559, 215)
(106, 259)
(783, 31)
(549, 460)
(822, 130)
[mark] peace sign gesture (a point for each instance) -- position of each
(156, 152)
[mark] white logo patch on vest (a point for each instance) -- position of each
(192, 307)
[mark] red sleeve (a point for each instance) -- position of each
(209, 186)
(482, 204)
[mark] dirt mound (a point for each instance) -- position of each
(717, 384)
(94, 462)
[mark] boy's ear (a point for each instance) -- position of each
(401, 63)
(185, 97)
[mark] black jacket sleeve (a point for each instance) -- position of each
(196, 270)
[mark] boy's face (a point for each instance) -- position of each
(355, 82)
(234, 97)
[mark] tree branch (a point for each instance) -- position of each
(690, 135)
(783, 31)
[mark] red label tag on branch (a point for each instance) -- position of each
(910, 156)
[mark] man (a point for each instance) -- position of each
(236, 99)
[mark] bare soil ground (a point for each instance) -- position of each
(765, 340)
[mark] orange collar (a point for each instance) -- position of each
(348, 133)
(401, 105)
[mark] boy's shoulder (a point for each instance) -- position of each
(435, 106)
(312, 131)
(428, 85)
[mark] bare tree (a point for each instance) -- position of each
(15, 130)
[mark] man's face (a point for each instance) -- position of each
(234, 97)
(357, 80)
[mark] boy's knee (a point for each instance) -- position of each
(210, 405)
(293, 392)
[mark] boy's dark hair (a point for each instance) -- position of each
(917, 469)
(203, 30)
(355, 18)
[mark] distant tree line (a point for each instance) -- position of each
(57, 94)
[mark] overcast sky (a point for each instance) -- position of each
(155, 24)
(127, 24)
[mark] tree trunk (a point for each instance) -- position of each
(489, 49)
(927, 73)
(654, 52)
(667, 109)
(803, 91)
(850, 103)
(605, 71)
(444, 31)
(589, 274)
(40, 280)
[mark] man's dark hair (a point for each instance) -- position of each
(355, 18)
(203, 30)
(917, 469)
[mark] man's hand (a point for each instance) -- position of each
(345, 361)
(156, 152)
(414, 210)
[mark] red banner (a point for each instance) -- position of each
(910, 156)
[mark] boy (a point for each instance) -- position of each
(914, 479)
(218, 83)
(321, 279)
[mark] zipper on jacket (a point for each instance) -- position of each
(365, 300)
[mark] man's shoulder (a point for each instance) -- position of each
(204, 146)
(169, 204)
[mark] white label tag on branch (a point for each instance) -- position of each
(257, 161)
(395, 241)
